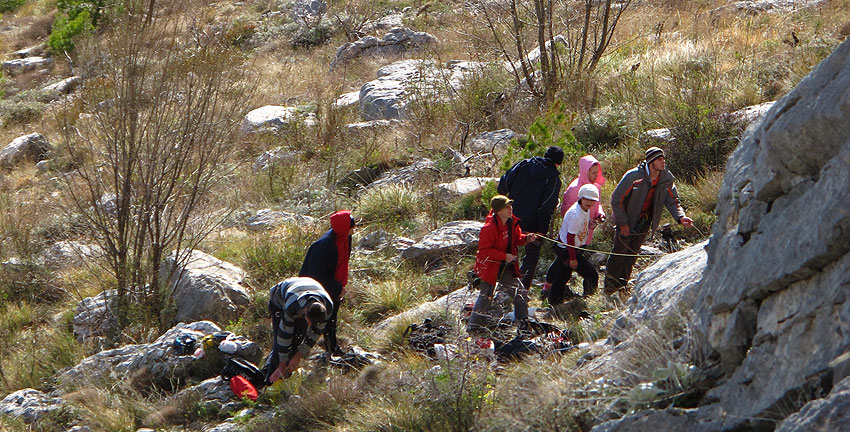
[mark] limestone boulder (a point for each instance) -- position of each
(204, 287)
(33, 51)
(829, 413)
(758, 6)
(397, 84)
(452, 238)
(410, 174)
(464, 186)
(307, 9)
(96, 316)
(156, 361)
(65, 86)
(398, 40)
(213, 394)
(30, 405)
(451, 303)
(32, 147)
(65, 254)
(267, 219)
(23, 65)
(347, 99)
(371, 127)
(274, 157)
(274, 119)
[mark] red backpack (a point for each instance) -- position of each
(241, 387)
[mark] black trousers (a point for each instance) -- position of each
(529, 263)
(329, 335)
(299, 331)
(618, 270)
(560, 273)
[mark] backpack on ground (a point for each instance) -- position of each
(234, 366)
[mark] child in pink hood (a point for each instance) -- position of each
(589, 172)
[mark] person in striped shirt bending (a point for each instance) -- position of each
(299, 307)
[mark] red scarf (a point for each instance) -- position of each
(341, 223)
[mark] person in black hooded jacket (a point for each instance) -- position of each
(327, 262)
(534, 185)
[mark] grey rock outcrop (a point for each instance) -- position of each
(830, 413)
(374, 126)
(388, 96)
(157, 360)
(205, 288)
(273, 157)
(267, 219)
(33, 51)
(95, 316)
(213, 394)
(307, 9)
(451, 303)
(23, 65)
(274, 118)
(65, 86)
(773, 301)
(32, 146)
(756, 6)
(65, 254)
(412, 173)
(398, 40)
(347, 99)
(464, 186)
(453, 237)
(30, 405)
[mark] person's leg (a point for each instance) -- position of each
(618, 267)
(514, 286)
(329, 335)
(529, 262)
(589, 274)
(485, 296)
(556, 290)
(272, 360)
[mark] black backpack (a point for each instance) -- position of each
(236, 366)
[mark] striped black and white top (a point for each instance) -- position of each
(292, 296)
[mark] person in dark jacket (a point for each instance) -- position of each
(299, 308)
(327, 262)
(495, 262)
(534, 185)
(637, 203)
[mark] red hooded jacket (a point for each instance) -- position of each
(493, 247)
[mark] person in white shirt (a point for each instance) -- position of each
(574, 233)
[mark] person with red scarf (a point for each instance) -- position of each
(496, 262)
(327, 262)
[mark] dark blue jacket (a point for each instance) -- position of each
(320, 263)
(534, 185)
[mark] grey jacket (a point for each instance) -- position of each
(630, 193)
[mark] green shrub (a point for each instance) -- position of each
(605, 129)
(21, 112)
(389, 203)
(10, 5)
(553, 129)
(65, 29)
(382, 299)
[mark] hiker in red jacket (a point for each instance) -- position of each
(327, 262)
(496, 262)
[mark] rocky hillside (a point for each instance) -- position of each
(166, 163)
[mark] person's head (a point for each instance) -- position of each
(501, 206)
(554, 154)
(342, 222)
(593, 172)
(654, 157)
(588, 195)
(315, 313)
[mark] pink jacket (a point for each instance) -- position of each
(571, 194)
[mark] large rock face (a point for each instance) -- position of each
(773, 299)
(205, 288)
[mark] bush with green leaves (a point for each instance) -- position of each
(10, 5)
(76, 17)
(552, 129)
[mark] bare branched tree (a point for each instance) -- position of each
(165, 99)
(568, 37)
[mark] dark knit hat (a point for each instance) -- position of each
(653, 153)
(499, 202)
(555, 154)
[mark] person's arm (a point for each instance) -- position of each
(571, 251)
(671, 201)
(487, 244)
(507, 180)
(550, 201)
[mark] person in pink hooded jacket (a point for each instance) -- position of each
(589, 172)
